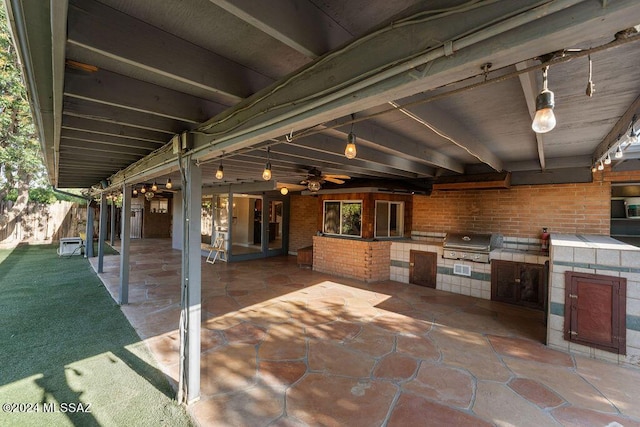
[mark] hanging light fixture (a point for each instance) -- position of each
(350, 150)
(143, 189)
(633, 136)
(266, 174)
(594, 169)
(154, 187)
(220, 172)
(135, 191)
(284, 191)
(168, 185)
(544, 120)
(618, 154)
(601, 166)
(314, 185)
(607, 160)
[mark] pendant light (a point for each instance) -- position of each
(350, 150)
(284, 191)
(544, 120)
(220, 172)
(618, 154)
(601, 166)
(154, 187)
(143, 189)
(135, 191)
(266, 174)
(168, 185)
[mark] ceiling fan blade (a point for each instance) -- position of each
(337, 176)
(334, 180)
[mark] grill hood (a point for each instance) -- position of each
(468, 241)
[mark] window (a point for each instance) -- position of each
(159, 205)
(343, 218)
(389, 219)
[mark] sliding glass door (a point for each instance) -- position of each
(254, 226)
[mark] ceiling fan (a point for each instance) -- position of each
(315, 179)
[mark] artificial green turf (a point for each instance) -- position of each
(64, 340)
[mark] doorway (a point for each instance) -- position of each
(253, 226)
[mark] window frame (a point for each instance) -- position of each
(341, 202)
(400, 217)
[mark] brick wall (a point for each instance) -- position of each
(520, 211)
(608, 175)
(367, 260)
(303, 223)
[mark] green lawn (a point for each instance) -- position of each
(66, 346)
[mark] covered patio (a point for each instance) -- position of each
(287, 346)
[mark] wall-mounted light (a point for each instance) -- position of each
(266, 174)
(350, 150)
(168, 185)
(220, 172)
(154, 187)
(544, 120)
(284, 191)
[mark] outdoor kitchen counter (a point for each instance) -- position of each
(477, 280)
(603, 257)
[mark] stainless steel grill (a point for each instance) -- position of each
(468, 246)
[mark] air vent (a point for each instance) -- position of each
(462, 270)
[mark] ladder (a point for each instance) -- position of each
(218, 250)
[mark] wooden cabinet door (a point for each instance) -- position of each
(503, 281)
(531, 282)
(518, 283)
(423, 268)
(595, 311)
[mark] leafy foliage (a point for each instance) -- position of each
(21, 166)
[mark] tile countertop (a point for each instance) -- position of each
(590, 241)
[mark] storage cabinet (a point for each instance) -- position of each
(305, 257)
(595, 311)
(423, 268)
(519, 283)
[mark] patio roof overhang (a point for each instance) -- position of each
(112, 82)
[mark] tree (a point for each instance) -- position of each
(21, 165)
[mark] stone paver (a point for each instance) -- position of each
(290, 347)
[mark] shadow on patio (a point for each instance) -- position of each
(288, 346)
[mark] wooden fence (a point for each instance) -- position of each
(41, 223)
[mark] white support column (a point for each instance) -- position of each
(191, 285)
(125, 239)
(102, 233)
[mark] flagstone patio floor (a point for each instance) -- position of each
(287, 346)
